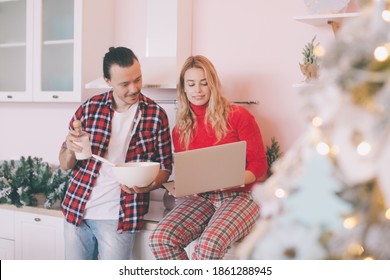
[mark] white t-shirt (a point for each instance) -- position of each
(103, 203)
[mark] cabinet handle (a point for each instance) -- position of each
(9, 96)
(37, 219)
(55, 96)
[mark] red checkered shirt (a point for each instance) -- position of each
(151, 141)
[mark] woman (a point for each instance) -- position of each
(219, 218)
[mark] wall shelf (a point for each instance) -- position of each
(323, 19)
(302, 85)
(334, 20)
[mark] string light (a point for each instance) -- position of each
(356, 250)
(280, 193)
(350, 222)
(386, 15)
(387, 214)
(323, 148)
(319, 51)
(363, 148)
(381, 53)
(316, 121)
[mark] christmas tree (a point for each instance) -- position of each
(329, 195)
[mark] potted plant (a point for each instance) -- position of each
(309, 68)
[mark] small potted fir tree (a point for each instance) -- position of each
(309, 68)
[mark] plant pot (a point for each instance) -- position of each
(309, 70)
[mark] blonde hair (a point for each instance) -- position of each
(217, 111)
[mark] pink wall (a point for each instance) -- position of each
(255, 46)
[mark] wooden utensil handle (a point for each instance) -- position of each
(77, 125)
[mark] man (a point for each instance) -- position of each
(123, 125)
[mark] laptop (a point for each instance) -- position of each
(208, 169)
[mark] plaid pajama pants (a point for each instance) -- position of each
(216, 219)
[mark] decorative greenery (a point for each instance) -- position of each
(56, 187)
(21, 180)
(309, 56)
(273, 153)
(310, 66)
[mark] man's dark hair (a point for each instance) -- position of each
(121, 56)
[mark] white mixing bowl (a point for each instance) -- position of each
(139, 174)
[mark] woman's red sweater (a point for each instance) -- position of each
(242, 127)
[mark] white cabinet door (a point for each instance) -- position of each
(7, 229)
(7, 235)
(7, 249)
(50, 48)
(16, 50)
(38, 237)
(54, 50)
(70, 40)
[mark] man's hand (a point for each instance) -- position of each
(162, 177)
(135, 189)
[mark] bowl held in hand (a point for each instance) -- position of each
(140, 174)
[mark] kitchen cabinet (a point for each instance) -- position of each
(7, 235)
(50, 48)
(16, 47)
(141, 250)
(6, 249)
(39, 237)
(31, 233)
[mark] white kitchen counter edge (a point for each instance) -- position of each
(155, 214)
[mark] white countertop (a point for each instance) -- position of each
(155, 214)
(40, 210)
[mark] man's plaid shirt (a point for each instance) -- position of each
(151, 141)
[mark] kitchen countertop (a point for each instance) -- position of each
(151, 219)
